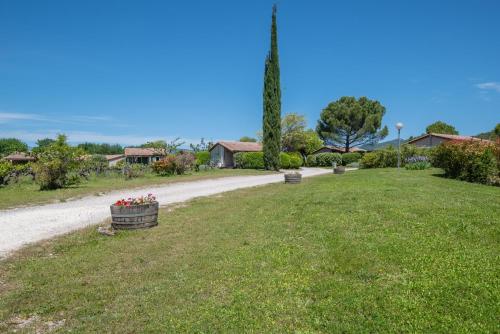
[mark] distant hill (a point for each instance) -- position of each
(378, 146)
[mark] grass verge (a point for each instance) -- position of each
(368, 251)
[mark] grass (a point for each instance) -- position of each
(28, 193)
(368, 251)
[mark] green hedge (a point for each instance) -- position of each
(324, 159)
(255, 160)
(388, 157)
(249, 160)
(349, 158)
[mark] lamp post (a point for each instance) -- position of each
(399, 126)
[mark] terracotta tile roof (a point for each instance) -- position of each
(144, 152)
(238, 146)
(111, 157)
(19, 156)
(446, 136)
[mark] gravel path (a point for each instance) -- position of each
(19, 227)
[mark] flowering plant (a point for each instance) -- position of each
(136, 201)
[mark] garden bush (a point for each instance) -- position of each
(348, 158)
(202, 158)
(472, 161)
(6, 168)
(284, 160)
(311, 160)
(174, 164)
(380, 158)
(131, 171)
(184, 162)
(327, 159)
(296, 161)
(249, 160)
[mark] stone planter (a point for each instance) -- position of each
(339, 170)
(293, 178)
(134, 216)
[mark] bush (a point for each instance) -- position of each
(348, 158)
(131, 171)
(184, 162)
(6, 168)
(380, 159)
(472, 161)
(296, 161)
(311, 160)
(174, 164)
(284, 160)
(417, 162)
(249, 160)
(327, 159)
(202, 158)
(55, 164)
(165, 166)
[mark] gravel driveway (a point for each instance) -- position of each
(19, 227)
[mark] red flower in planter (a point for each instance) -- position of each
(136, 201)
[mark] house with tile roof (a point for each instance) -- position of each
(434, 139)
(222, 153)
(139, 155)
(19, 158)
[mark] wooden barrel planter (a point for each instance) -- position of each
(293, 178)
(339, 170)
(134, 216)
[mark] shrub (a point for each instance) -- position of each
(348, 158)
(472, 161)
(174, 164)
(380, 158)
(311, 160)
(296, 161)
(327, 159)
(202, 158)
(184, 162)
(55, 164)
(284, 160)
(417, 162)
(131, 171)
(6, 168)
(165, 166)
(249, 160)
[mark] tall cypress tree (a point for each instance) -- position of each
(272, 103)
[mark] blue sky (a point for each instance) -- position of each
(131, 71)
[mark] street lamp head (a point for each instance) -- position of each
(399, 125)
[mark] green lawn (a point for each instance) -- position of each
(28, 193)
(368, 251)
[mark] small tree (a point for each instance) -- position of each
(441, 127)
(294, 137)
(55, 163)
(350, 122)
